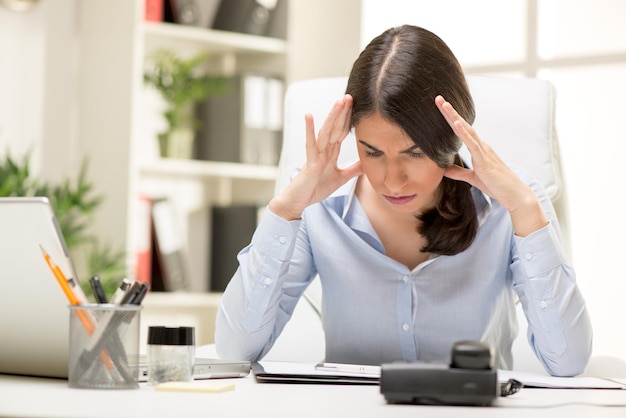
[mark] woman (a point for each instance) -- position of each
(415, 248)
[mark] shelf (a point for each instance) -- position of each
(175, 35)
(206, 170)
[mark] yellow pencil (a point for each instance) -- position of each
(71, 297)
(58, 274)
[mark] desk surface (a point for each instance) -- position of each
(28, 397)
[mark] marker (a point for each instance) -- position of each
(139, 294)
(98, 290)
(130, 293)
(118, 296)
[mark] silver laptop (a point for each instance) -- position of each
(34, 318)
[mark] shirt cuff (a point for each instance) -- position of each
(540, 252)
(276, 236)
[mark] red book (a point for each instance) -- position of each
(143, 238)
(153, 11)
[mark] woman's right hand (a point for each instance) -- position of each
(320, 176)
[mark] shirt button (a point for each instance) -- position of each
(282, 239)
(405, 279)
(543, 304)
(405, 327)
(529, 256)
(267, 281)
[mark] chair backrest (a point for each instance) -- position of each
(514, 115)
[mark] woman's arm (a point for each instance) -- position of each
(559, 326)
(277, 266)
(274, 270)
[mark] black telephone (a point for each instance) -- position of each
(470, 379)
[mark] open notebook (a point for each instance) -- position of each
(34, 328)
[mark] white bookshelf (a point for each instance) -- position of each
(173, 35)
(112, 128)
(194, 185)
(117, 129)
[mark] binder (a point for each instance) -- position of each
(169, 265)
(232, 230)
(246, 16)
(191, 12)
(244, 125)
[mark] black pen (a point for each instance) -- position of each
(130, 293)
(139, 295)
(98, 290)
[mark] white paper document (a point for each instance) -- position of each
(551, 382)
(371, 374)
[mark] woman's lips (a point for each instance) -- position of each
(399, 200)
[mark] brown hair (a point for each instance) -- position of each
(398, 75)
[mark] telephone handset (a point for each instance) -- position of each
(470, 379)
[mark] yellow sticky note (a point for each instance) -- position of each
(200, 387)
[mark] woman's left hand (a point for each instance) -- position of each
(492, 176)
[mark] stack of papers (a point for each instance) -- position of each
(286, 372)
(334, 373)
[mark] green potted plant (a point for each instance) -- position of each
(74, 203)
(182, 83)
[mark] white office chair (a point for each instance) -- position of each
(515, 116)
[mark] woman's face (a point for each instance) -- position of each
(403, 177)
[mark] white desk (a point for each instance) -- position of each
(33, 397)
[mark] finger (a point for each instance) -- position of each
(439, 102)
(468, 136)
(451, 115)
(311, 142)
(342, 126)
(325, 133)
(459, 125)
(353, 170)
(459, 173)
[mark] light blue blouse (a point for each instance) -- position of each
(376, 310)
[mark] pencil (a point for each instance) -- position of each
(71, 297)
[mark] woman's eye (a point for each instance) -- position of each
(417, 154)
(372, 154)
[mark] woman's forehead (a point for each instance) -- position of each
(378, 131)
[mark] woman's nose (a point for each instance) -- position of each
(395, 177)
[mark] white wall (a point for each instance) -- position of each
(21, 80)
(314, 26)
(38, 100)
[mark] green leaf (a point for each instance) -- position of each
(75, 204)
(182, 83)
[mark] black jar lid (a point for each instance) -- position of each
(158, 335)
